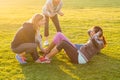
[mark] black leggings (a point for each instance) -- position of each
(56, 23)
(70, 50)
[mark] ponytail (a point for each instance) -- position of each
(105, 43)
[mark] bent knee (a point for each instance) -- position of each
(59, 34)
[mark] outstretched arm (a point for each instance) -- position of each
(38, 40)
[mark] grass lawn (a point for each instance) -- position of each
(80, 15)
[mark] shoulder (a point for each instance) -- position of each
(28, 27)
(27, 24)
(49, 2)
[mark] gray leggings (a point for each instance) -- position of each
(28, 48)
(70, 50)
(56, 23)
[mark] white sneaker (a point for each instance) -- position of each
(46, 43)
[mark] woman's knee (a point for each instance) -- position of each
(64, 42)
(59, 34)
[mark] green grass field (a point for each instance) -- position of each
(80, 15)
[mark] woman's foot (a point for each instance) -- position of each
(44, 60)
(20, 59)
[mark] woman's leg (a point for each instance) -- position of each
(28, 48)
(46, 29)
(56, 23)
(70, 50)
(59, 37)
(50, 47)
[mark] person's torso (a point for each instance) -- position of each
(55, 9)
(26, 34)
(89, 49)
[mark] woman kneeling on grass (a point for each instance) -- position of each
(28, 38)
(76, 52)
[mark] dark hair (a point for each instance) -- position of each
(97, 29)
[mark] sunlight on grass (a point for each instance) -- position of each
(79, 16)
(64, 58)
(67, 71)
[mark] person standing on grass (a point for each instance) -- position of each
(78, 53)
(28, 38)
(50, 10)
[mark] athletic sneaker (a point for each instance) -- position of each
(38, 61)
(21, 60)
(44, 60)
(46, 43)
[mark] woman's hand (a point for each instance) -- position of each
(45, 51)
(60, 13)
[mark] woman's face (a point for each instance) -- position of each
(56, 2)
(41, 22)
(92, 32)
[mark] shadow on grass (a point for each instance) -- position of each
(101, 67)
